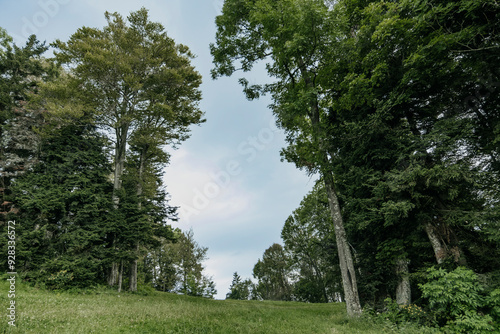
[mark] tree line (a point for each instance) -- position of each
(84, 148)
(395, 106)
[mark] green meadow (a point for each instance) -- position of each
(106, 311)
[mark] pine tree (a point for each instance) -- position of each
(22, 69)
(240, 290)
(65, 208)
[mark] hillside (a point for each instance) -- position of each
(104, 311)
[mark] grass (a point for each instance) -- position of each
(105, 311)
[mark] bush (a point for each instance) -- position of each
(457, 301)
(400, 314)
(145, 290)
(59, 280)
(401, 318)
(493, 302)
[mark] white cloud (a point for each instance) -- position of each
(221, 267)
(203, 190)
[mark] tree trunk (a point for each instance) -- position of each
(140, 189)
(348, 272)
(403, 290)
(120, 151)
(437, 245)
(120, 277)
(113, 274)
(444, 244)
(133, 272)
(345, 257)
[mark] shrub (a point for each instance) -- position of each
(399, 314)
(457, 301)
(59, 280)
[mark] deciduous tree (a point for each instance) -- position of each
(309, 242)
(137, 83)
(272, 273)
(294, 36)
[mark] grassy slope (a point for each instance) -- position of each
(40, 311)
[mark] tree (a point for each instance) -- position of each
(22, 70)
(309, 242)
(376, 97)
(161, 264)
(137, 83)
(64, 204)
(190, 266)
(294, 35)
(272, 274)
(145, 226)
(148, 204)
(240, 290)
(405, 145)
(177, 266)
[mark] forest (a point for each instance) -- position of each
(393, 106)
(84, 137)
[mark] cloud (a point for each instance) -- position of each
(221, 266)
(203, 190)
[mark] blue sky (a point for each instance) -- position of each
(227, 178)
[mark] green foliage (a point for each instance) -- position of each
(131, 80)
(389, 102)
(64, 205)
(295, 36)
(403, 314)
(198, 286)
(493, 304)
(176, 265)
(22, 70)
(131, 73)
(272, 273)
(240, 290)
(59, 280)
(309, 242)
(457, 301)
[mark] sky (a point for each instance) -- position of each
(227, 178)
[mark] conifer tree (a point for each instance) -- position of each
(22, 69)
(65, 207)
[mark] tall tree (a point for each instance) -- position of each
(178, 266)
(22, 69)
(405, 141)
(161, 264)
(135, 80)
(146, 215)
(295, 36)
